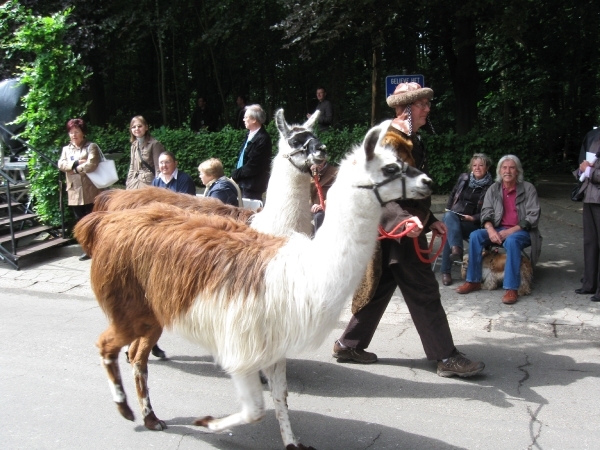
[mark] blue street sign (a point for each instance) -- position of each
(392, 80)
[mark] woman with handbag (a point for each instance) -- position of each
(145, 151)
(78, 159)
(463, 210)
(589, 173)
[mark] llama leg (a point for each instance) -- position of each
(139, 364)
(278, 385)
(132, 350)
(253, 405)
(110, 346)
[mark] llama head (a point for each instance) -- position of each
(298, 144)
(388, 177)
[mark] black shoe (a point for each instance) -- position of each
(457, 254)
(594, 298)
(458, 365)
(156, 351)
(84, 257)
(582, 291)
(353, 354)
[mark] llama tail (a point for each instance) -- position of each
(85, 231)
(102, 200)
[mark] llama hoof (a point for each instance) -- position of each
(204, 421)
(298, 447)
(125, 410)
(154, 423)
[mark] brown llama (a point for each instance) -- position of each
(250, 299)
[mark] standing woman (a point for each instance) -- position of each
(464, 210)
(145, 151)
(591, 216)
(77, 159)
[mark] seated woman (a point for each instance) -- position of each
(172, 178)
(464, 209)
(217, 184)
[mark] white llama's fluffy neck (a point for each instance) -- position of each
(287, 208)
(309, 282)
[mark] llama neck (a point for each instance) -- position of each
(287, 208)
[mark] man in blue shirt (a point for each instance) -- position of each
(172, 178)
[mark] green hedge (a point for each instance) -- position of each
(449, 154)
(192, 148)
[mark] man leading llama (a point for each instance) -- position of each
(398, 264)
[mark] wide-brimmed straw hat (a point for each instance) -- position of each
(407, 93)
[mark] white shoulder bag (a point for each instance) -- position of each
(105, 174)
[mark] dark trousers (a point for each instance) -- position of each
(591, 248)
(421, 293)
(80, 211)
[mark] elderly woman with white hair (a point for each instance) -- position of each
(509, 217)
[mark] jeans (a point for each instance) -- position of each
(513, 245)
(457, 232)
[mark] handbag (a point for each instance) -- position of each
(105, 174)
(576, 195)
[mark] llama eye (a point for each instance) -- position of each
(391, 169)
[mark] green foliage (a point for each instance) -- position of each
(191, 148)
(53, 76)
(449, 154)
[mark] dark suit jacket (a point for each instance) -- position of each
(256, 168)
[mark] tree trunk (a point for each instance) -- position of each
(464, 74)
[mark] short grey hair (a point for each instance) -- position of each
(257, 113)
(517, 162)
(487, 161)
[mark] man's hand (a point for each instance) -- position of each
(584, 165)
(468, 218)
(416, 231)
(438, 226)
(316, 208)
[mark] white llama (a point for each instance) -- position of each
(250, 299)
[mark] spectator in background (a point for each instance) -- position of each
(325, 107)
(170, 177)
(591, 215)
(203, 118)
(217, 184)
(254, 162)
(325, 174)
(463, 211)
(145, 151)
(241, 104)
(510, 217)
(77, 159)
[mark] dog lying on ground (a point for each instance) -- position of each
(492, 273)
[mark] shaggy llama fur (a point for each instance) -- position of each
(492, 274)
(250, 299)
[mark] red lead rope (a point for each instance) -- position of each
(319, 189)
(420, 252)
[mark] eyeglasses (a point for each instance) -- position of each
(423, 105)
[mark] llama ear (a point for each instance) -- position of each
(310, 123)
(282, 125)
(370, 142)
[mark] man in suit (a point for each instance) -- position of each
(253, 167)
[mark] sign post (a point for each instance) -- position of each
(391, 81)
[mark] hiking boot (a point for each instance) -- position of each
(158, 352)
(510, 297)
(352, 354)
(468, 287)
(458, 365)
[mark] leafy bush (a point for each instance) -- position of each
(449, 154)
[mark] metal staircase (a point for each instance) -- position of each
(21, 233)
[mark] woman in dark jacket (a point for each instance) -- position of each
(463, 210)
